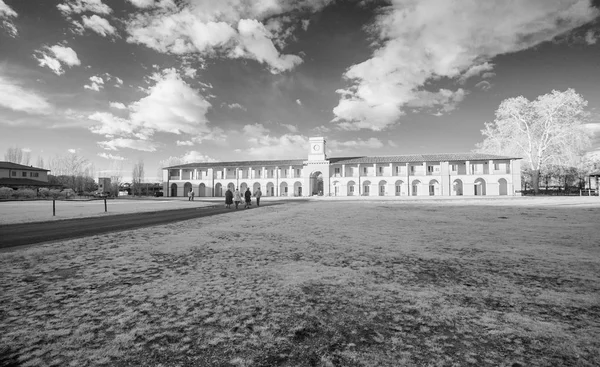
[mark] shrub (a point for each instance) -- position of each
(44, 192)
(55, 194)
(6, 192)
(25, 194)
(68, 193)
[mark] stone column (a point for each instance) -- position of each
(491, 167)
(180, 174)
(468, 167)
(408, 179)
(392, 170)
(343, 170)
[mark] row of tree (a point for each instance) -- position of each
(549, 133)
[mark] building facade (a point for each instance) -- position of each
(453, 174)
(18, 175)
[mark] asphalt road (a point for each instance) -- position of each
(30, 233)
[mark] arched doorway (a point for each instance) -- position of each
(399, 185)
(479, 187)
(186, 188)
(231, 186)
(173, 190)
(382, 184)
(218, 190)
(351, 188)
(336, 188)
(502, 187)
(457, 187)
(270, 189)
(297, 188)
(434, 188)
(283, 189)
(415, 187)
(255, 187)
(366, 186)
(243, 187)
(202, 190)
(316, 183)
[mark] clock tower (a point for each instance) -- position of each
(316, 149)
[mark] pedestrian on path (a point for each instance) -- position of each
(237, 197)
(193, 193)
(228, 198)
(190, 195)
(248, 197)
(257, 195)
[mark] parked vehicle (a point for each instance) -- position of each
(158, 193)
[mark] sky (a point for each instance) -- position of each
(170, 81)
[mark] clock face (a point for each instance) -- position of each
(316, 147)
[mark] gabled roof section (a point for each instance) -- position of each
(11, 165)
(418, 158)
(234, 164)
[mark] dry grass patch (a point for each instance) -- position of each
(319, 284)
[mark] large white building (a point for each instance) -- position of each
(450, 174)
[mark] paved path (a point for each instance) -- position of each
(30, 233)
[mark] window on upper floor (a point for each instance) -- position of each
(298, 171)
(14, 173)
(365, 170)
(496, 166)
(412, 169)
(429, 169)
(380, 169)
(337, 171)
(454, 167)
(24, 174)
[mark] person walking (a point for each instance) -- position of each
(193, 193)
(228, 198)
(257, 195)
(248, 197)
(237, 197)
(190, 195)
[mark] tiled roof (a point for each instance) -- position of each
(418, 158)
(280, 163)
(11, 165)
(412, 158)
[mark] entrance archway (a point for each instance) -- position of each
(297, 188)
(243, 187)
(479, 187)
(382, 184)
(366, 186)
(283, 189)
(434, 188)
(202, 190)
(218, 189)
(502, 187)
(351, 188)
(399, 185)
(231, 186)
(186, 188)
(255, 187)
(270, 189)
(415, 187)
(457, 187)
(173, 190)
(316, 183)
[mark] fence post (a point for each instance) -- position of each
(53, 207)
(105, 205)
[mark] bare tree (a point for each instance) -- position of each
(26, 159)
(138, 176)
(40, 162)
(548, 130)
(13, 154)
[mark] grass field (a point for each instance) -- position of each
(325, 283)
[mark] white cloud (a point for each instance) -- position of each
(110, 125)
(81, 6)
(392, 144)
(291, 128)
(98, 25)
(139, 144)
(195, 156)
(111, 156)
(145, 4)
(371, 143)
(299, 102)
(189, 72)
(488, 75)
(119, 82)
(62, 55)
(484, 85)
(428, 39)
(26, 150)
(17, 98)
(72, 151)
(171, 106)
(230, 27)
(6, 12)
(96, 85)
(184, 143)
(117, 105)
(233, 106)
(305, 23)
(445, 99)
(476, 70)
(590, 37)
